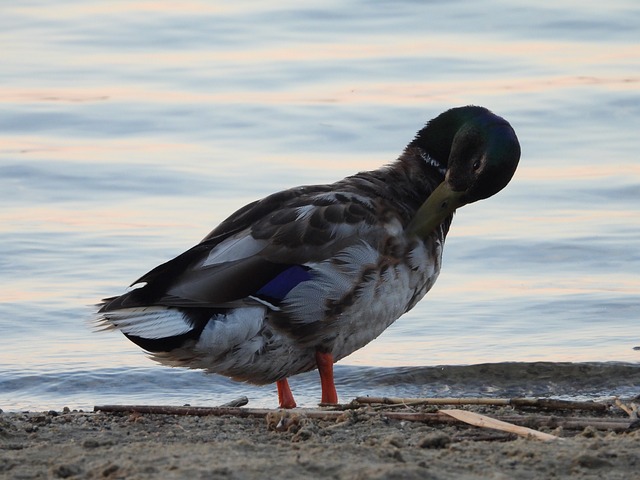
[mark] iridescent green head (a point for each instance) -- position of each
(478, 151)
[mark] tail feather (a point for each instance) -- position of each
(149, 322)
(156, 328)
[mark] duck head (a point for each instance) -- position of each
(480, 152)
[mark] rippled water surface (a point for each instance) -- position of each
(128, 130)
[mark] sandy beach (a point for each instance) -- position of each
(355, 444)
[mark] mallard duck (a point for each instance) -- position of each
(304, 277)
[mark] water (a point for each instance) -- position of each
(130, 129)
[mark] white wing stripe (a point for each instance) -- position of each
(235, 248)
(149, 322)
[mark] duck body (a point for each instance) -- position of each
(311, 268)
(304, 277)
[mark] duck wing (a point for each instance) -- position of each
(262, 251)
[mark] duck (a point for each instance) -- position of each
(300, 279)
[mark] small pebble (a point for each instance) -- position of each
(66, 471)
(395, 440)
(590, 461)
(435, 440)
(110, 470)
(302, 435)
(588, 432)
(90, 443)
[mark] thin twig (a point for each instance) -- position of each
(629, 410)
(175, 410)
(430, 418)
(432, 401)
(546, 403)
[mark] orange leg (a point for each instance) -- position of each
(285, 397)
(325, 367)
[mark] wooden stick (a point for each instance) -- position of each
(175, 410)
(432, 401)
(555, 404)
(488, 422)
(629, 410)
(546, 403)
(572, 423)
(615, 424)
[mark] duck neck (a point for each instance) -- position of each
(414, 176)
(405, 184)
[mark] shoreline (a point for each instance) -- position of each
(365, 443)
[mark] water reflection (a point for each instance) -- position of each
(132, 129)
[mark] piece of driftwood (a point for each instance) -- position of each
(631, 409)
(569, 423)
(484, 421)
(184, 410)
(544, 403)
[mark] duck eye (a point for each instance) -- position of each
(476, 165)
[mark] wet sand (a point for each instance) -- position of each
(72, 444)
